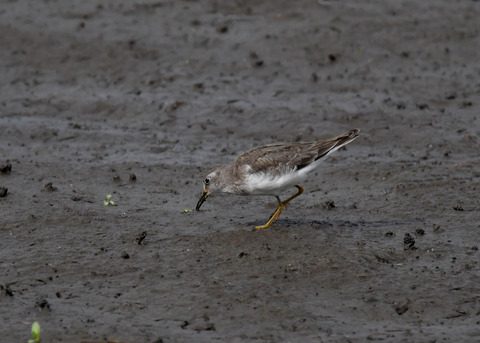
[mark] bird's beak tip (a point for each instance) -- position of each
(202, 199)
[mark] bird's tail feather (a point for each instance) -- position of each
(335, 143)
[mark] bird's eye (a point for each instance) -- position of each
(207, 181)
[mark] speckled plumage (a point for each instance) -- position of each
(270, 169)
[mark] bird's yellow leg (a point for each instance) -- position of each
(281, 206)
(300, 191)
(273, 217)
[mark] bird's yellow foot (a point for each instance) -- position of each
(274, 217)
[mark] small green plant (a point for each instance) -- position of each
(187, 210)
(35, 333)
(108, 201)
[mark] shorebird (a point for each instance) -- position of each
(270, 169)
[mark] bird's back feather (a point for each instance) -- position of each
(282, 157)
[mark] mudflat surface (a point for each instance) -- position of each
(139, 99)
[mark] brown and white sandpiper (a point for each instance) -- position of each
(270, 169)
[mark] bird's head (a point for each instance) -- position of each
(212, 183)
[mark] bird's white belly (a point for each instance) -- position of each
(269, 184)
(264, 184)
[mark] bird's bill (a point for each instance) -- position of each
(202, 199)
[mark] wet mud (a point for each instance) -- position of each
(112, 112)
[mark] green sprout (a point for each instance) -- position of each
(35, 333)
(108, 201)
(187, 210)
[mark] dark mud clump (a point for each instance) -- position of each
(6, 168)
(3, 192)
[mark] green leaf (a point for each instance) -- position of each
(36, 331)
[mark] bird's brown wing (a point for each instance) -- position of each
(275, 157)
(288, 156)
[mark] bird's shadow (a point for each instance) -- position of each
(319, 224)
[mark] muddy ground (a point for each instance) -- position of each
(139, 99)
